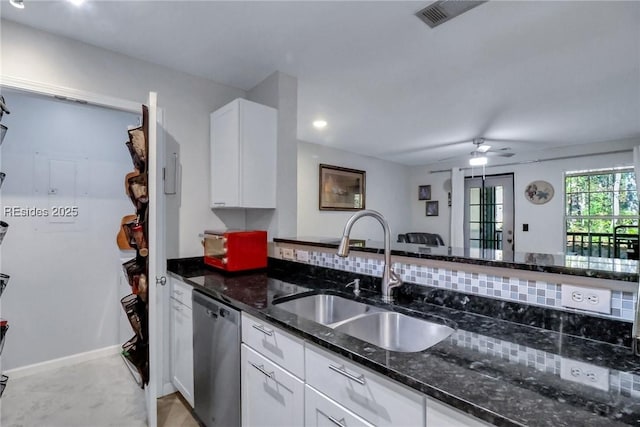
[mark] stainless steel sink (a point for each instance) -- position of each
(387, 329)
(396, 331)
(328, 310)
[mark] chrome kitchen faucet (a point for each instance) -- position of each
(390, 279)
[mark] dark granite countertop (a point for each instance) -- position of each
(575, 265)
(506, 373)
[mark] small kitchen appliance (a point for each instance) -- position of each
(235, 250)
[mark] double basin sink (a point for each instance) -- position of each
(387, 329)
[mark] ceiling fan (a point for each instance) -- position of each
(483, 150)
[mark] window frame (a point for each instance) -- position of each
(588, 217)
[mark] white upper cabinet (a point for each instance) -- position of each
(244, 138)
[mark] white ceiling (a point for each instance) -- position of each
(534, 74)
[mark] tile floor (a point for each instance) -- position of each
(97, 393)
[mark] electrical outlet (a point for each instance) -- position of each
(287, 253)
(589, 299)
(302, 256)
(584, 373)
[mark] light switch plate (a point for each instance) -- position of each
(584, 373)
(589, 299)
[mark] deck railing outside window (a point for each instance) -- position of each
(603, 245)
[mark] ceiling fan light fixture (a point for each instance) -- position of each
(320, 124)
(478, 161)
(17, 3)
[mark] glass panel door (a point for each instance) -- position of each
(489, 216)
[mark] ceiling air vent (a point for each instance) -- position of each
(444, 10)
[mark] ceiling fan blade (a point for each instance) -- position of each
(500, 153)
(446, 159)
(425, 148)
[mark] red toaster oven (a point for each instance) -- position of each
(235, 250)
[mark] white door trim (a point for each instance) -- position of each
(41, 88)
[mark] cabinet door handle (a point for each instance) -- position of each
(264, 330)
(177, 307)
(177, 292)
(339, 423)
(261, 369)
(343, 371)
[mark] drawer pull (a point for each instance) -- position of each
(264, 330)
(177, 307)
(342, 370)
(339, 423)
(261, 369)
(177, 292)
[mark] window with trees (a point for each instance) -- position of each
(601, 212)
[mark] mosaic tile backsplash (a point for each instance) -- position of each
(534, 292)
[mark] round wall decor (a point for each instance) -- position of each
(539, 192)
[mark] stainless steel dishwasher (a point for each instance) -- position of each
(216, 362)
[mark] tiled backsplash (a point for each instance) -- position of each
(535, 292)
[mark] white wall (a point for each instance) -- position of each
(440, 187)
(62, 297)
(280, 91)
(387, 191)
(186, 100)
(546, 222)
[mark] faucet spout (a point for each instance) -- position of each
(390, 279)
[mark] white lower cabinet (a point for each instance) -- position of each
(289, 382)
(441, 415)
(320, 411)
(181, 318)
(372, 397)
(271, 397)
(275, 344)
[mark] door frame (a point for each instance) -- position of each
(129, 106)
(507, 254)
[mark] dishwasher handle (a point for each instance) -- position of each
(214, 309)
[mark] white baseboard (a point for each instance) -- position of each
(38, 368)
(168, 388)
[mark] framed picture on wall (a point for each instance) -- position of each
(424, 192)
(341, 189)
(432, 208)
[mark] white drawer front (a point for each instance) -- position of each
(442, 415)
(275, 344)
(320, 411)
(371, 396)
(270, 395)
(181, 292)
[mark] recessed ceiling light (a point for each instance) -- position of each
(320, 124)
(76, 2)
(17, 3)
